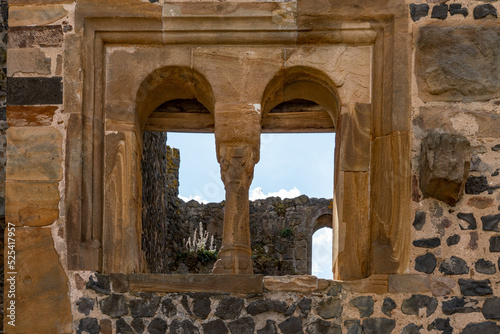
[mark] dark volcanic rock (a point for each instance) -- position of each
(440, 12)
(270, 328)
(99, 284)
(138, 325)
(115, 306)
(459, 305)
(85, 305)
(456, 9)
(291, 325)
(491, 308)
(491, 222)
(215, 327)
(476, 185)
(144, 307)
(201, 307)
(469, 218)
(453, 240)
(470, 287)
(426, 263)
(168, 307)
(378, 326)
(266, 305)
(441, 325)
(417, 11)
(183, 327)
(244, 325)
(158, 326)
(427, 243)
(388, 305)
(482, 11)
(419, 221)
(411, 329)
(412, 305)
(323, 327)
(495, 244)
(123, 328)
(485, 267)
(229, 308)
(88, 325)
(488, 327)
(353, 326)
(330, 307)
(454, 266)
(364, 304)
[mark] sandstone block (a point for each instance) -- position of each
(28, 37)
(298, 283)
(442, 286)
(410, 283)
(444, 166)
(32, 203)
(30, 115)
(35, 15)
(28, 60)
(451, 64)
(41, 280)
(34, 154)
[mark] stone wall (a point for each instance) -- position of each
(4, 13)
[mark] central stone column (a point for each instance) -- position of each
(237, 136)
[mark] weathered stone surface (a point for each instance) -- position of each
(144, 307)
(453, 240)
(106, 326)
(378, 326)
(244, 325)
(491, 308)
(266, 305)
(441, 325)
(460, 305)
(323, 327)
(123, 327)
(304, 305)
(480, 202)
(469, 218)
(28, 61)
(426, 263)
(454, 266)
(47, 36)
(85, 305)
(32, 203)
(483, 327)
(303, 283)
(330, 307)
(419, 221)
(388, 305)
(179, 327)
(33, 15)
(417, 11)
(215, 327)
(34, 2)
(201, 307)
(115, 306)
(291, 325)
(444, 166)
(99, 283)
(483, 266)
(34, 90)
(41, 280)
(229, 308)
(446, 73)
(270, 328)
(457, 9)
(159, 326)
(409, 283)
(442, 286)
(440, 12)
(495, 244)
(364, 304)
(168, 308)
(30, 115)
(491, 222)
(138, 325)
(482, 11)
(427, 243)
(470, 287)
(411, 329)
(412, 305)
(119, 282)
(88, 325)
(476, 185)
(34, 154)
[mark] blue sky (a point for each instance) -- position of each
(290, 165)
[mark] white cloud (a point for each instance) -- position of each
(257, 193)
(197, 198)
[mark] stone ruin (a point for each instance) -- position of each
(411, 89)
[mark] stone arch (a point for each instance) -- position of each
(318, 219)
(171, 83)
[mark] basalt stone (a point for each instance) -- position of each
(388, 305)
(353, 326)
(270, 328)
(488, 327)
(459, 305)
(496, 148)
(123, 328)
(417, 11)
(412, 305)
(427, 243)
(244, 325)
(85, 305)
(419, 221)
(183, 327)
(490, 223)
(440, 12)
(138, 325)
(411, 329)
(34, 90)
(441, 325)
(425, 263)
(168, 308)
(476, 185)
(229, 308)
(364, 304)
(323, 327)
(99, 283)
(144, 307)
(485, 267)
(495, 244)
(290, 310)
(215, 327)
(115, 306)
(185, 304)
(291, 325)
(483, 11)
(454, 266)
(158, 326)
(470, 219)
(337, 288)
(453, 240)
(88, 325)
(470, 287)
(378, 325)
(444, 166)
(330, 307)
(491, 308)
(457, 9)
(201, 307)
(305, 305)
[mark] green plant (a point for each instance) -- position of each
(286, 232)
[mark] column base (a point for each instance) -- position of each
(235, 259)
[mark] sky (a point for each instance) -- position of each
(290, 165)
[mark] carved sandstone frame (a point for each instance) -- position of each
(372, 176)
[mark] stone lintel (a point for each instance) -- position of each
(196, 283)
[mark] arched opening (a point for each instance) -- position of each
(321, 259)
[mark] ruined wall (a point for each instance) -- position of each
(4, 13)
